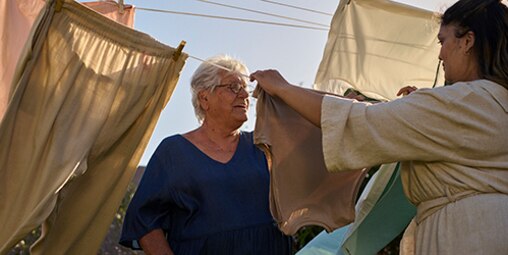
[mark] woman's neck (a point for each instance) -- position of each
(219, 131)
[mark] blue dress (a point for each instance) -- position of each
(205, 206)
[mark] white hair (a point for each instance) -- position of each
(207, 76)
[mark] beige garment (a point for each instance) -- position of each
(17, 18)
(377, 47)
(452, 144)
(88, 96)
(302, 192)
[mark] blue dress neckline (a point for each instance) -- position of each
(202, 153)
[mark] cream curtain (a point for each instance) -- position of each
(377, 47)
(87, 97)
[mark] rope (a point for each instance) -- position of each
(232, 18)
(264, 13)
(218, 66)
(297, 7)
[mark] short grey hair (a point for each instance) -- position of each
(207, 76)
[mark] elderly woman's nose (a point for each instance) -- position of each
(243, 93)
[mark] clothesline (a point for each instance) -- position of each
(218, 66)
(297, 7)
(232, 18)
(264, 13)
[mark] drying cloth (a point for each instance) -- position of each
(17, 18)
(88, 95)
(302, 191)
(377, 47)
(382, 213)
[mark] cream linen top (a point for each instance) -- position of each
(453, 145)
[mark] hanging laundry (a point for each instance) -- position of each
(382, 213)
(88, 94)
(18, 18)
(302, 191)
(378, 47)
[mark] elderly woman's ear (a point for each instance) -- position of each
(203, 99)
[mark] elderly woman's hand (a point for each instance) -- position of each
(406, 90)
(270, 81)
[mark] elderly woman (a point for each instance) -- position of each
(206, 191)
(452, 141)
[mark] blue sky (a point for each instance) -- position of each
(295, 52)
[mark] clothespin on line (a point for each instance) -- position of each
(179, 50)
(120, 6)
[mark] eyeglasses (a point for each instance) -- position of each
(235, 87)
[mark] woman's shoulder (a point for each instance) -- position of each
(476, 87)
(170, 143)
(450, 93)
(172, 140)
(247, 135)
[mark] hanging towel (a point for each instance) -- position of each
(302, 191)
(88, 94)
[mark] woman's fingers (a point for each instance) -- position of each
(269, 80)
(406, 90)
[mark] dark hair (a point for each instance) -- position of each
(488, 20)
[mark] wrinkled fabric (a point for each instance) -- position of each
(450, 141)
(382, 213)
(88, 96)
(325, 243)
(17, 18)
(302, 191)
(377, 47)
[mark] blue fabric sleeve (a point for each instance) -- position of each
(149, 209)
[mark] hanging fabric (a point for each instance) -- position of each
(87, 97)
(378, 47)
(302, 191)
(17, 19)
(382, 213)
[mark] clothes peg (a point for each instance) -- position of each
(120, 6)
(179, 50)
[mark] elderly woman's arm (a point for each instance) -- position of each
(304, 101)
(155, 243)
